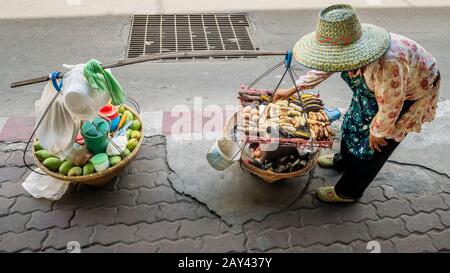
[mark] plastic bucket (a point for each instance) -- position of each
(220, 155)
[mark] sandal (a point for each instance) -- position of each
(329, 195)
(326, 161)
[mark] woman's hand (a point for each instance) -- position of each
(376, 143)
(283, 94)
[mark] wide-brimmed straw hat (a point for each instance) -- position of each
(341, 42)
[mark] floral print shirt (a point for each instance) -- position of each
(405, 72)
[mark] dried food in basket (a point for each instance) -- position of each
(296, 118)
(285, 159)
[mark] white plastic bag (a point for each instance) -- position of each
(82, 101)
(58, 129)
(44, 186)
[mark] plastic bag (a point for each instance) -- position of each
(58, 129)
(82, 101)
(104, 80)
(43, 186)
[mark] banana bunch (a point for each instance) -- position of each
(319, 125)
(311, 103)
(287, 117)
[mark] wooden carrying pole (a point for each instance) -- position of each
(170, 55)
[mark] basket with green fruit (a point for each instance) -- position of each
(87, 173)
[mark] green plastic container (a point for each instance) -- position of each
(95, 135)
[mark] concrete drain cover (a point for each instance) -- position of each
(152, 34)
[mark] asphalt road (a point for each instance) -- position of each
(33, 47)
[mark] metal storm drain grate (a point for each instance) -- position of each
(188, 32)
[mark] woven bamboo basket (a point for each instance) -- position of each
(98, 178)
(268, 176)
(271, 177)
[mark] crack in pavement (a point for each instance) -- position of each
(418, 165)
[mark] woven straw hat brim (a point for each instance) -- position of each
(373, 43)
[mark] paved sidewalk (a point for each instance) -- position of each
(141, 211)
(71, 8)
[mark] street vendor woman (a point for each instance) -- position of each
(395, 84)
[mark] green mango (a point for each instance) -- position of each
(52, 163)
(128, 133)
(37, 146)
(136, 125)
(129, 115)
(43, 155)
(126, 152)
(135, 134)
(88, 168)
(75, 171)
(65, 167)
(114, 160)
(132, 143)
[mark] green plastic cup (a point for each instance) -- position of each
(95, 135)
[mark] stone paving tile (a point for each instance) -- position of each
(446, 197)
(427, 203)
(444, 215)
(156, 195)
(141, 212)
(5, 205)
(178, 211)
(335, 248)
(16, 159)
(389, 192)
(200, 227)
(225, 243)
(422, 222)
(277, 221)
(308, 201)
(12, 189)
(116, 198)
(386, 228)
(13, 242)
(413, 244)
(149, 166)
(157, 231)
(76, 200)
(43, 220)
(393, 208)
(373, 194)
(11, 174)
(106, 235)
(59, 238)
(267, 239)
(138, 247)
(320, 216)
(136, 214)
(310, 235)
(143, 180)
(105, 216)
(348, 232)
(357, 212)
(3, 158)
(14, 222)
(374, 246)
(180, 246)
(99, 249)
(152, 152)
(25, 204)
(441, 240)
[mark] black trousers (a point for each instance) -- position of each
(359, 173)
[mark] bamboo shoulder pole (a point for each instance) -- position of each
(170, 55)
